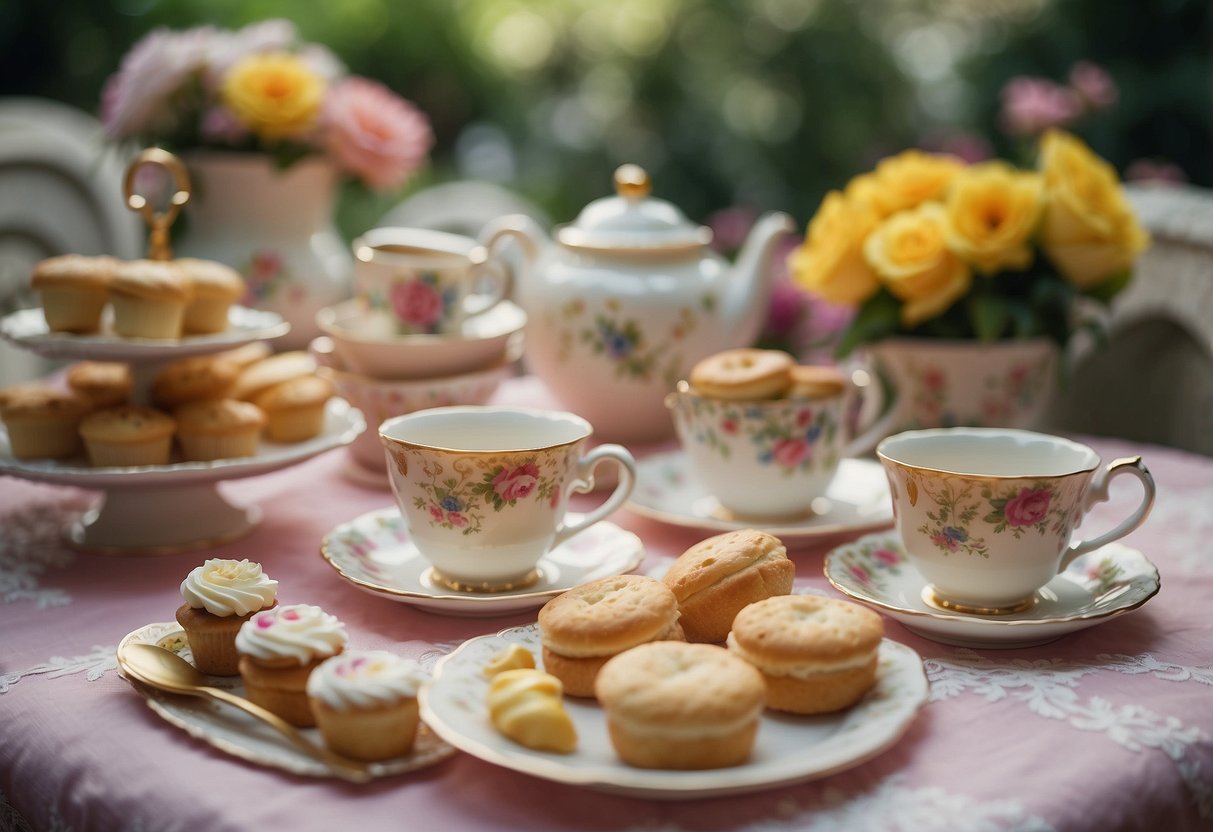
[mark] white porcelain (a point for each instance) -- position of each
(235, 732)
(857, 500)
(163, 509)
(369, 346)
(375, 553)
(423, 282)
(986, 514)
(788, 749)
(764, 461)
(275, 226)
(484, 490)
(628, 297)
(1095, 588)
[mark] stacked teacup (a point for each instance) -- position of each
(428, 326)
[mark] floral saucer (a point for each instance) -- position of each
(856, 501)
(375, 554)
(1095, 588)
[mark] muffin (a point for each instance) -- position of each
(716, 577)
(743, 375)
(74, 290)
(525, 705)
(817, 655)
(128, 435)
(260, 376)
(365, 703)
(220, 595)
(215, 288)
(294, 410)
(279, 648)
(218, 429)
(192, 379)
(681, 706)
(582, 628)
(104, 383)
(149, 299)
(43, 422)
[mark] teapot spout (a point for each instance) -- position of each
(749, 294)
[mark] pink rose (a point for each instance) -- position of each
(436, 512)
(804, 417)
(1094, 85)
(417, 303)
(729, 426)
(886, 556)
(790, 452)
(1027, 508)
(517, 483)
(456, 519)
(136, 100)
(373, 133)
(859, 573)
(1032, 105)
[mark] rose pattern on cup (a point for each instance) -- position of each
(1005, 393)
(778, 437)
(265, 275)
(872, 562)
(1101, 575)
(418, 306)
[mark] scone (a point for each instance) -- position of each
(365, 703)
(43, 422)
(716, 577)
(220, 595)
(104, 383)
(278, 650)
(582, 628)
(526, 705)
(681, 706)
(74, 290)
(816, 654)
(128, 435)
(743, 375)
(192, 379)
(149, 299)
(215, 288)
(260, 376)
(218, 429)
(246, 355)
(294, 410)
(816, 382)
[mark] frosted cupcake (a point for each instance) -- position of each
(365, 703)
(220, 595)
(278, 650)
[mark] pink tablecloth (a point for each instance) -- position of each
(1108, 728)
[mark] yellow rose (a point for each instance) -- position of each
(275, 95)
(911, 178)
(910, 254)
(993, 210)
(1089, 231)
(830, 261)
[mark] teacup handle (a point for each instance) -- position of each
(499, 278)
(1098, 493)
(583, 481)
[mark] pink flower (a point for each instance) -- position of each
(417, 303)
(1032, 105)
(514, 484)
(790, 452)
(886, 556)
(456, 519)
(1027, 508)
(940, 539)
(1093, 85)
(804, 417)
(859, 573)
(136, 98)
(933, 380)
(219, 124)
(436, 512)
(1162, 173)
(786, 309)
(729, 426)
(373, 133)
(730, 227)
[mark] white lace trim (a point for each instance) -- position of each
(30, 545)
(95, 663)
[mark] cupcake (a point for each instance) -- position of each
(294, 410)
(279, 648)
(216, 287)
(74, 290)
(128, 435)
(192, 379)
(43, 422)
(104, 383)
(365, 703)
(220, 595)
(149, 299)
(218, 429)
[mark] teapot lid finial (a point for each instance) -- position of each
(632, 181)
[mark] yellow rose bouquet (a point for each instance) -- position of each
(927, 246)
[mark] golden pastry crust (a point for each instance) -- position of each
(210, 279)
(262, 375)
(304, 391)
(193, 379)
(218, 417)
(743, 375)
(246, 355)
(104, 383)
(74, 270)
(42, 422)
(151, 280)
(578, 673)
(816, 382)
(212, 639)
(608, 615)
(717, 577)
(127, 424)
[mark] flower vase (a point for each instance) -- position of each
(932, 383)
(275, 226)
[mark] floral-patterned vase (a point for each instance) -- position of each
(931, 383)
(276, 228)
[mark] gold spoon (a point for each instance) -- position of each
(165, 670)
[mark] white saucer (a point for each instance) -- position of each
(856, 501)
(1095, 588)
(374, 553)
(787, 749)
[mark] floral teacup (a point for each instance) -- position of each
(484, 489)
(761, 460)
(986, 514)
(425, 282)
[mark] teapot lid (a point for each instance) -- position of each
(632, 220)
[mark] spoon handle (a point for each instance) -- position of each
(346, 769)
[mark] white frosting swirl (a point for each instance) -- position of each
(228, 587)
(365, 679)
(298, 631)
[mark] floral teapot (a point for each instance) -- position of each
(627, 298)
